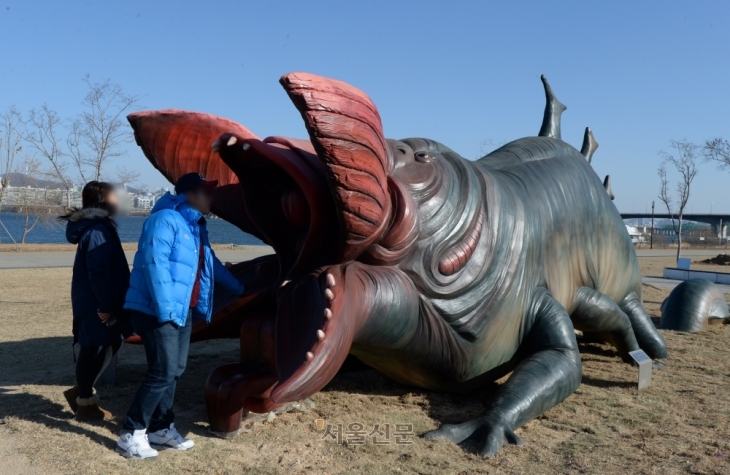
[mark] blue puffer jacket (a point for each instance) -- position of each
(166, 263)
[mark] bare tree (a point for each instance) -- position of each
(75, 146)
(100, 128)
(43, 129)
(684, 160)
(10, 147)
(664, 192)
(125, 176)
(487, 146)
(33, 213)
(718, 150)
(36, 208)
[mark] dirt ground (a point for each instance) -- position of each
(128, 246)
(678, 425)
(653, 266)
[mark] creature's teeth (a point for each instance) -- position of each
(310, 356)
(320, 335)
(330, 280)
(232, 141)
(283, 283)
(246, 146)
(216, 145)
(329, 294)
(327, 314)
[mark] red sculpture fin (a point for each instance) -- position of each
(345, 129)
(179, 142)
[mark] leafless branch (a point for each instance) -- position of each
(101, 124)
(717, 150)
(663, 193)
(10, 146)
(41, 133)
(126, 176)
(75, 148)
(684, 160)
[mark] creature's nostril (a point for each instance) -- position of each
(423, 157)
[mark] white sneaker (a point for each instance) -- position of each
(135, 445)
(170, 438)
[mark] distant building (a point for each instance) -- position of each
(142, 202)
(28, 196)
(636, 234)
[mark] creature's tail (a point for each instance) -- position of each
(693, 305)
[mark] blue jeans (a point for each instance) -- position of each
(166, 347)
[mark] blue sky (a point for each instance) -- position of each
(460, 72)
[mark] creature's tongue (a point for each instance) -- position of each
(312, 338)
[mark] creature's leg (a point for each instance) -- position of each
(598, 313)
(549, 371)
(650, 340)
(230, 386)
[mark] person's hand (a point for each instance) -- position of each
(228, 265)
(104, 316)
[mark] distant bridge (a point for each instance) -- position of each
(718, 221)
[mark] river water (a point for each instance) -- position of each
(130, 227)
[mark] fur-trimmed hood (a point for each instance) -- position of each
(86, 213)
(78, 221)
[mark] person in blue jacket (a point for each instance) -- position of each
(98, 287)
(172, 282)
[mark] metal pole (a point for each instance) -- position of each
(651, 239)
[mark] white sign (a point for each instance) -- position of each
(644, 363)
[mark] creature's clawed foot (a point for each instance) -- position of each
(491, 433)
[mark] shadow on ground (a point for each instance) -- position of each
(41, 368)
(35, 372)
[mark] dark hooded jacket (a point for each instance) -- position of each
(100, 278)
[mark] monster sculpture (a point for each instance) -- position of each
(693, 305)
(439, 272)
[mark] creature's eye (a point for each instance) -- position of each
(423, 157)
(402, 150)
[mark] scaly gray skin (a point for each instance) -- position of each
(550, 254)
(693, 305)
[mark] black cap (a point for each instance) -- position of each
(193, 181)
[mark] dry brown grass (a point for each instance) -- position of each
(128, 246)
(653, 266)
(679, 425)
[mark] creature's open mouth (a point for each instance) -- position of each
(283, 182)
(287, 198)
(318, 210)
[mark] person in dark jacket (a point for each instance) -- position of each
(98, 287)
(172, 283)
